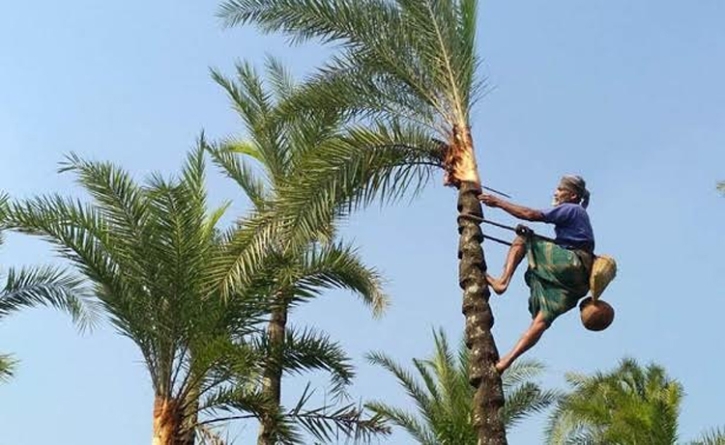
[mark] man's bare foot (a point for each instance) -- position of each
(498, 286)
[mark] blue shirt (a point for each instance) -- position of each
(572, 226)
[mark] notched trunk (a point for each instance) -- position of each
(488, 399)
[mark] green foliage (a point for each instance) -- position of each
(444, 398)
(269, 166)
(7, 367)
(630, 404)
(40, 286)
(301, 171)
(713, 437)
(403, 78)
(412, 60)
(146, 250)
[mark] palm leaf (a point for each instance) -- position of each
(47, 286)
(7, 367)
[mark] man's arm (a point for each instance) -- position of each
(515, 210)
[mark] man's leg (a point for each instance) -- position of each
(527, 340)
(516, 253)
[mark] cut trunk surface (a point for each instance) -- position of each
(460, 160)
(272, 379)
(488, 399)
(167, 422)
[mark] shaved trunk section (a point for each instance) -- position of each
(482, 375)
(460, 160)
(167, 420)
(272, 378)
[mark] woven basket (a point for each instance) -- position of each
(604, 270)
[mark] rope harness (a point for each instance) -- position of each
(519, 230)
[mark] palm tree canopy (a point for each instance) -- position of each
(411, 65)
(147, 249)
(443, 396)
(630, 404)
(302, 172)
(415, 59)
(273, 160)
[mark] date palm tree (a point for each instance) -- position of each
(443, 396)
(405, 74)
(630, 404)
(262, 164)
(147, 249)
(40, 286)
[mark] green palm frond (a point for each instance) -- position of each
(721, 186)
(414, 390)
(336, 181)
(119, 197)
(7, 367)
(422, 49)
(47, 286)
(226, 157)
(209, 436)
(524, 400)
(338, 266)
(329, 424)
(256, 107)
(307, 349)
(405, 420)
(715, 436)
(444, 399)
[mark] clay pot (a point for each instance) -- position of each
(596, 315)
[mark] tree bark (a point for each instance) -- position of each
(272, 377)
(169, 425)
(167, 420)
(488, 399)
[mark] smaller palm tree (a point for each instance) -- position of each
(270, 159)
(631, 404)
(146, 249)
(40, 286)
(444, 399)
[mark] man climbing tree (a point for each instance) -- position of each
(558, 273)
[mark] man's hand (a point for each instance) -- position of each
(490, 200)
(524, 230)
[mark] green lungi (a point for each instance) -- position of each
(557, 277)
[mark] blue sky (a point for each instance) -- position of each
(628, 94)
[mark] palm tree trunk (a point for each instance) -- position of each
(171, 426)
(167, 420)
(488, 399)
(187, 434)
(272, 377)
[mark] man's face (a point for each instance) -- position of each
(563, 195)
